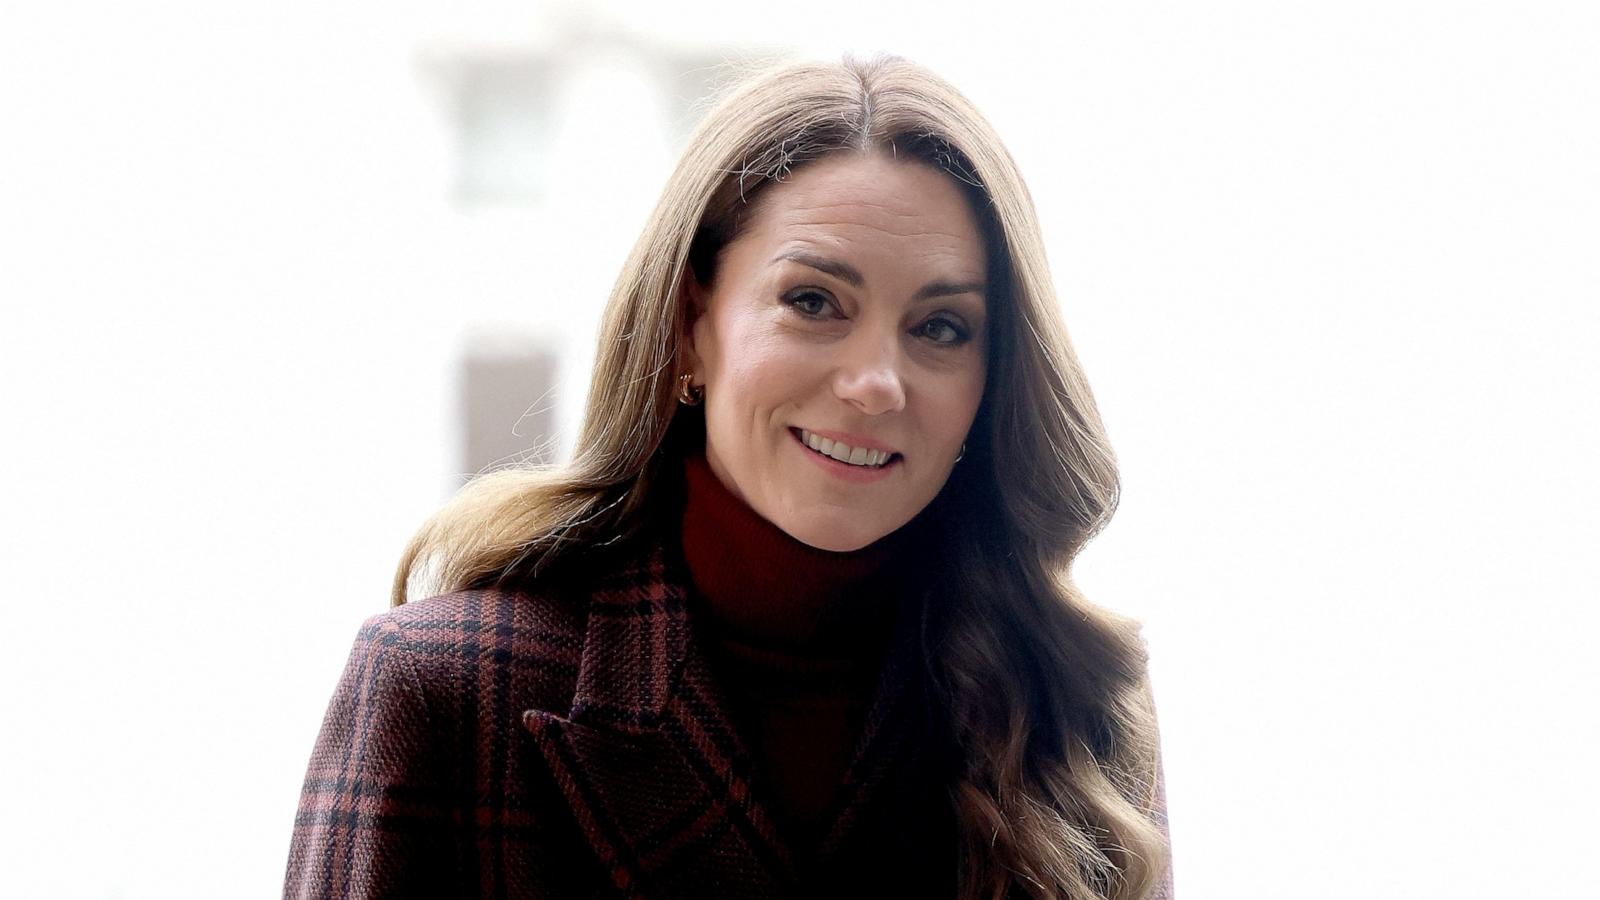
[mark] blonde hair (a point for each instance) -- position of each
(1047, 695)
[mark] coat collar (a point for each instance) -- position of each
(652, 766)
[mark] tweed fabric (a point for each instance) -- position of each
(569, 741)
(417, 785)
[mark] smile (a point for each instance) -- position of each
(865, 457)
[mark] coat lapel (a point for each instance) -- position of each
(654, 769)
(883, 747)
(648, 758)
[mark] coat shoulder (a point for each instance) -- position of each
(546, 606)
(526, 642)
(421, 768)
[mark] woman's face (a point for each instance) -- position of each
(842, 346)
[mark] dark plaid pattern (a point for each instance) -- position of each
(571, 742)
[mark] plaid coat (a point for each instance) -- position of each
(570, 741)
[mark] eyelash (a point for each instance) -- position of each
(962, 333)
(793, 301)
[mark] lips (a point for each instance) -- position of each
(853, 455)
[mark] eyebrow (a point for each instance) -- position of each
(848, 274)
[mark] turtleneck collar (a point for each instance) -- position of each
(764, 588)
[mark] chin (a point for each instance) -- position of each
(835, 536)
(835, 543)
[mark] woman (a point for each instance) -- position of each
(795, 621)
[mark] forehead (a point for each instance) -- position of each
(870, 202)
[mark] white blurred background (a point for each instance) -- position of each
(1332, 269)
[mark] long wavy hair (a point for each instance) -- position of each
(1046, 694)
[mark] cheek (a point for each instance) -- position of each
(764, 370)
(758, 380)
(725, 338)
(756, 356)
(956, 406)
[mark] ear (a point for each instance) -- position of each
(692, 298)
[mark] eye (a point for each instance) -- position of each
(812, 303)
(941, 330)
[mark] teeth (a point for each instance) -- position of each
(855, 456)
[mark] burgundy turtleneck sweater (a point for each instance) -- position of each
(796, 634)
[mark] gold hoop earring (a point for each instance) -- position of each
(688, 393)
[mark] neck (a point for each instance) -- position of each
(763, 587)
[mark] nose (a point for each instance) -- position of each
(868, 377)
